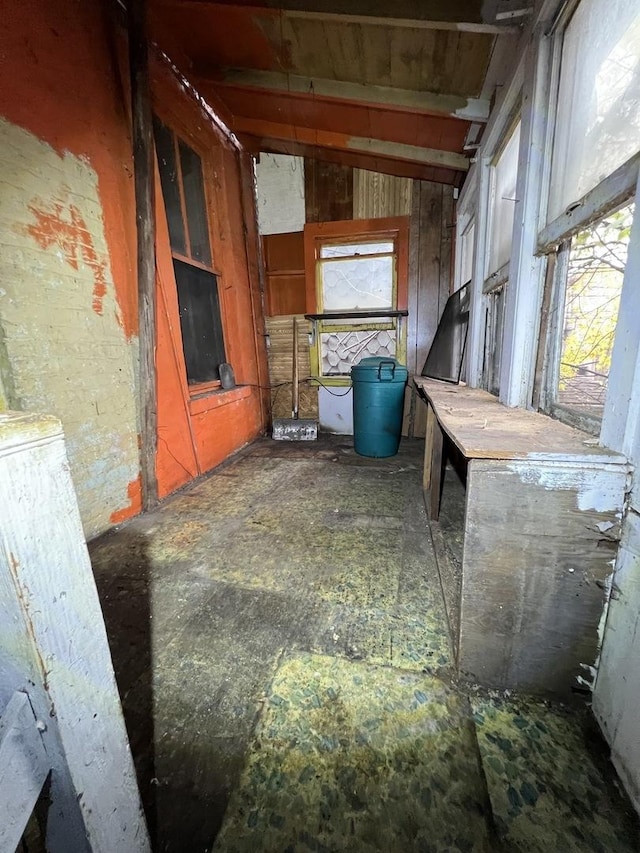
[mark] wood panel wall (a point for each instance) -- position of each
(430, 282)
(336, 193)
(328, 191)
(376, 196)
(284, 273)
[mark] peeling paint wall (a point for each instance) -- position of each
(280, 193)
(64, 349)
(68, 283)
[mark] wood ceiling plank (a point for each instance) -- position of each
(386, 56)
(401, 57)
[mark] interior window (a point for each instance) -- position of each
(182, 181)
(356, 275)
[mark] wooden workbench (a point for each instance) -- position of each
(542, 519)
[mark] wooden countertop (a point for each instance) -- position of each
(483, 428)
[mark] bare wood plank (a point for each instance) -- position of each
(429, 260)
(328, 190)
(435, 486)
(432, 473)
(428, 451)
(446, 248)
(143, 154)
(483, 428)
(25, 767)
(255, 268)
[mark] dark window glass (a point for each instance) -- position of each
(200, 321)
(193, 185)
(170, 189)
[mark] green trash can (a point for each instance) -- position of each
(378, 398)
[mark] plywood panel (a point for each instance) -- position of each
(280, 332)
(328, 189)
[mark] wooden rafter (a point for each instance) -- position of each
(466, 15)
(431, 103)
(362, 145)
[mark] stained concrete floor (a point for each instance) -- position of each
(283, 656)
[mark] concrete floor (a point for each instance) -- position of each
(283, 655)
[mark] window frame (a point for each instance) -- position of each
(554, 242)
(179, 133)
(316, 235)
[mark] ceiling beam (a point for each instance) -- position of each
(356, 144)
(430, 103)
(384, 165)
(463, 15)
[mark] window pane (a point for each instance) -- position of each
(504, 203)
(200, 321)
(493, 339)
(467, 244)
(360, 284)
(339, 351)
(594, 283)
(598, 119)
(193, 184)
(347, 249)
(169, 181)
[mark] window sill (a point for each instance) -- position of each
(215, 399)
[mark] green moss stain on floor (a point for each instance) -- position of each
(548, 790)
(284, 660)
(349, 756)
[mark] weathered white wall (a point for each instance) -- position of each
(280, 187)
(335, 412)
(616, 700)
(62, 346)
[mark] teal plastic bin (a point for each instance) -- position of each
(378, 398)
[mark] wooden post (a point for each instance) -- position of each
(143, 165)
(53, 647)
(255, 266)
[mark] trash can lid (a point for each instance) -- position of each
(369, 368)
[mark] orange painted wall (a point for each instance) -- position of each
(66, 82)
(196, 434)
